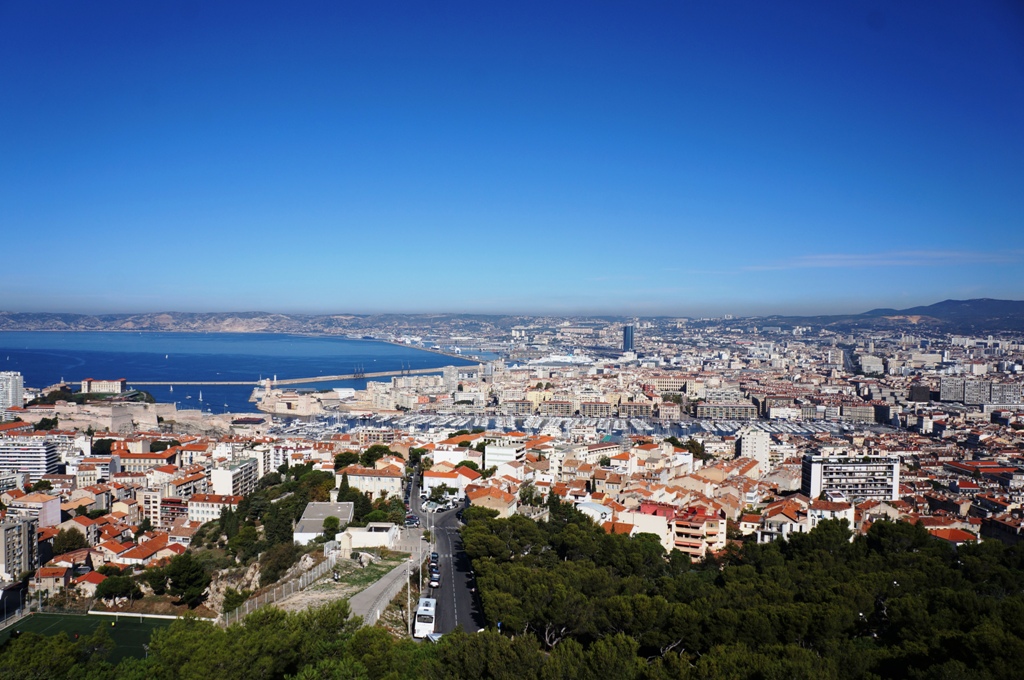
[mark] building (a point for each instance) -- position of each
(311, 524)
(557, 408)
(856, 477)
(33, 455)
(39, 506)
(741, 411)
(237, 479)
(627, 338)
(371, 481)
(756, 444)
(491, 497)
(636, 409)
(12, 388)
(951, 389)
(12, 479)
(595, 409)
(18, 547)
(699, 531)
(207, 507)
(90, 386)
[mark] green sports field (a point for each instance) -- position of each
(129, 633)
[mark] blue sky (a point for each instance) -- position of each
(596, 157)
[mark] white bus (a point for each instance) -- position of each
(425, 614)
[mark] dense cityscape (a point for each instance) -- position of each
(695, 438)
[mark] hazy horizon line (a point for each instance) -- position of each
(550, 313)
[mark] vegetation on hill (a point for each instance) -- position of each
(563, 599)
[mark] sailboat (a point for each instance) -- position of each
(172, 388)
(200, 395)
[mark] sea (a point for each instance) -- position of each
(45, 358)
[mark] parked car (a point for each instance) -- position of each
(435, 582)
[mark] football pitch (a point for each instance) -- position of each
(129, 632)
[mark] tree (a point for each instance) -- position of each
(470, 464)
(268, 480)
(144, 526)
(41, 485)
(415, 454)
(67, 540)
(245, 544)
(528, 494)
(233, 599)
(187, 579)
(101, 447)
(163, 445)
(374, 453)
(332, 525)
(118, 586)
(229, 522)
(47, 424)
(345, 458)
(276, 561)
(440, 492)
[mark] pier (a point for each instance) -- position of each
(289, 381)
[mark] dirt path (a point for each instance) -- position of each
(352, 579)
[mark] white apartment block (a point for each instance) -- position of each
(371, 481)
(237, 479)
(12, 389)
(29, 454)
(856, 477)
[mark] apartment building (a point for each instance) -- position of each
(236, 479)
(12, 389)
(740, 411)
(698, 531)
(18, 547)
(207, 507)
(856, 477)
(373, 482)
(33, 455)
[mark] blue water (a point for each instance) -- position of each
(45, 358)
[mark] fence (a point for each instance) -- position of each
(14, 618)
(398, 578)
(282, 591)
(140, 617)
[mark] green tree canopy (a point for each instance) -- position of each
(187, 579)
(345, 458)
(67, 540)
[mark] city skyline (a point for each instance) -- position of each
(674, 159)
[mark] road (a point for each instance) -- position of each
(457, 605)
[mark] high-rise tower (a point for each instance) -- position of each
(11, 389)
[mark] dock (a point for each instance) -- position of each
(289, 381)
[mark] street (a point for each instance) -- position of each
(457, 605)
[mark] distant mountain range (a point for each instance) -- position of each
(949, 316)
(982, 315)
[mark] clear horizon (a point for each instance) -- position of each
(669, 159)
